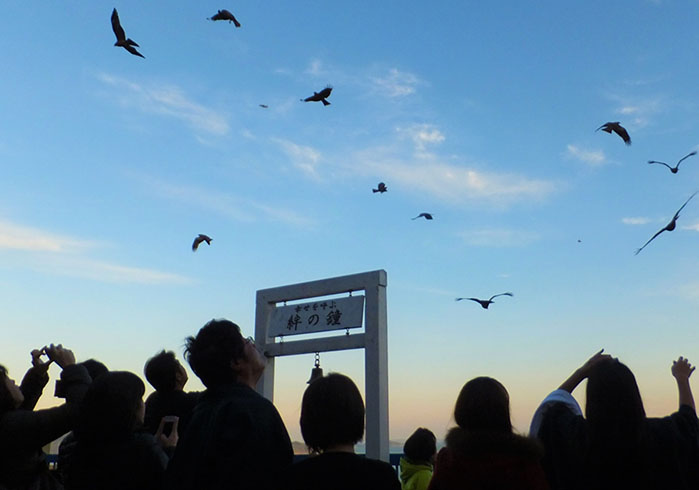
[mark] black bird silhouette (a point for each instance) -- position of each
(382, 188)
(320, 96)
(670, 226)
(676, 167)
(618, 129)
(122, 40)
(199, 239)
(485, 303)
(264, 106)
(423, 215)
(225, 15)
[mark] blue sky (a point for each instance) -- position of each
(482, 114)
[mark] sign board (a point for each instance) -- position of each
(318, 316)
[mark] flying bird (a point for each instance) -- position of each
(676, 167)
(122, 40)
(670, 226)
(423, 215)
(382, 188)
(225, 15)
(320, 96)
(264, 106)
(485, 303)
(618, 129)
(199, 239)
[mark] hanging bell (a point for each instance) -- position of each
(317, 371)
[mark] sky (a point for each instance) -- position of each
(483, 114)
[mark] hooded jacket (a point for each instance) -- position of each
(414, 476)
(488, 460)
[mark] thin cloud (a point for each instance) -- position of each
(305, 158)
(422, 135)
(694, 227)
(499, 237)
(396, 83)
(594, 158)
(47, 252)
(234, 207)
(637, 111)
(638, 220)
(315, 68)
(168, 101)
(18, 237)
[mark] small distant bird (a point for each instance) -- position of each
(320, 96)
(122, 40)
(423, 215)
(485, 303)
(676, 167)
(618, 129)
(264, 106)
(199, 239)
(670, 226)
(225, 15)
(382, 188)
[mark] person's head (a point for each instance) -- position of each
(164, 372)
(332, 413)
(614, 403)
(219, 355)
(94, 368)
(112, 408)
(483, 405)
(11, 396)
(421, 446)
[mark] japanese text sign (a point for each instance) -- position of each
(318, 316)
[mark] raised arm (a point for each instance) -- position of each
(583, 371)
(682, 370)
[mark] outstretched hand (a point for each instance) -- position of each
(37, 362)
(593, 361)
(63, 357)
(682, 369)
(171, 439)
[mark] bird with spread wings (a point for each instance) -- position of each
(122, 41)
(485, 303)
(669, 227)
(200, 238)
(618, 129)
(676, 167)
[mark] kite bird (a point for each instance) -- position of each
(225, 15)
(676, 167)
(264, 106)
(122, 40)
(320, 96)
(485, 303)
(423, 215)
(382, 188)
(618, 129)
(669, 227)
(199, 239)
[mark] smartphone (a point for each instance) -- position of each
(168, 423)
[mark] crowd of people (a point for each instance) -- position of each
(229, 436)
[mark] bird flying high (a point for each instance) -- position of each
(225, 15)
(423, 215)
(676, 167)
(122, 40)
(200, 238)
(670, 226)
(382, 188)
(485, 303)
(320, 96)
(618, 129)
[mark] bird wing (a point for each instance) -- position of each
(235, 21)
(618, 129)
(426, 215)
(652, 238)
(325, 92)
(605, 127)
(501, 294)
(685, 157)
(132, 50)
(677, 214)
(116, 27)
(661, 163)
(196, 243)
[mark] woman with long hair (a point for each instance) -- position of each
(482, 451)
(616, 446)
